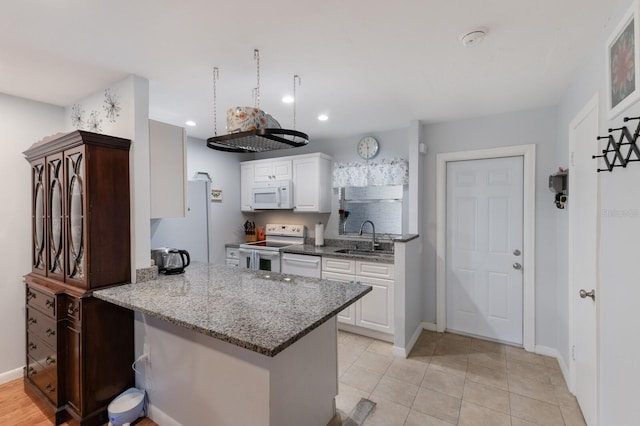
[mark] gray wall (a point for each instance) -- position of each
(23, 123)
(537, 127)
(394, 143)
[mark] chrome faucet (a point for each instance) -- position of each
(373, 233)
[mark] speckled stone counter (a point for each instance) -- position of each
(332, 251)
(261, 311)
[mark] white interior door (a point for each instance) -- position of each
(484, 282)
(583, 228)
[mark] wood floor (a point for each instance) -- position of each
(16, 408)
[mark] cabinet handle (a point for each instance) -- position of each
(32, 321)
(31, 372)
(49, 303)
(49, 332)
(30, 295)
(50, 360)
(72, 309)
(32, 346)
(50, 388)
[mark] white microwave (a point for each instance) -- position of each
(272, 195)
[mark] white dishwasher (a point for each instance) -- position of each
(305, 265)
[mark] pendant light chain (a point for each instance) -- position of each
(295, 97)
(216, 76)
(256, 56)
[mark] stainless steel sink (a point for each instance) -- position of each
(377, 253)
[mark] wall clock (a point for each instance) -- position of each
(368, 147)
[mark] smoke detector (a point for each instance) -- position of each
(473, 36)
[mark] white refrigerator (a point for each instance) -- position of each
(191, 233)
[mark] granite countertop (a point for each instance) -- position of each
(261, 311)
(332, 251)
(232, 245)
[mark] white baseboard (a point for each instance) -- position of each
(160, 417)
(10, 375)
(552, 352)
(430, 326)
(404, 352)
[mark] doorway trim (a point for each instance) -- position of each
(593, 103)
(528, 152)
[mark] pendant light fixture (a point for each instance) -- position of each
(262, 138)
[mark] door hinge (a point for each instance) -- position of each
(573, 352)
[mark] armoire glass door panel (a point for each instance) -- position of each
(74, 165)
(39, 217)
(55, 219)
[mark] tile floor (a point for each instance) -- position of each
(452, 380)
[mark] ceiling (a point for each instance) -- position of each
(369, 65)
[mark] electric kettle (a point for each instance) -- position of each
(174, 261)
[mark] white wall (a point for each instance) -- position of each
(23, 123)
(517, 128)
(618, 287)
(224, 169)
(132, 123)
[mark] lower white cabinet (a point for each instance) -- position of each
(233, 256)
(375, 310)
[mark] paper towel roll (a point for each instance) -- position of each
(319, 234)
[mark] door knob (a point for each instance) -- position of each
(517, 252)
(517, 266)
(584, 294)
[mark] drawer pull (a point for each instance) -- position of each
(32, 346)
(50, 388)
(30, 295)
(50, 360)
(32, 371)
(49, 303)
(72, 309)
(32, 321)
(50, 332)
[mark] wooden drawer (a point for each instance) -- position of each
(47, 383)
(41, 326)
(72, 308)
(42, 353)
(233, 253)
(375, 270)
(341, 266)
(42, 301)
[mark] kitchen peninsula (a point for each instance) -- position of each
(237, 346)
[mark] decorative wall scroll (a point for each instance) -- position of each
(621, 147)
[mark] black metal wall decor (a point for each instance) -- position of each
(613, 154)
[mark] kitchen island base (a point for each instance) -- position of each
(192, 378)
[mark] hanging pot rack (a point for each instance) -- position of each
(259, 140)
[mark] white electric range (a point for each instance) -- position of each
(265, 255)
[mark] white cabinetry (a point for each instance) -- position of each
(266, 170)
(375, 310)
(311, 187)
(167, 170)
(310, 175)
(246, 183)
(233, 256)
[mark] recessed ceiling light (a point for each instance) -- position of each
(323, 117)
(190, 123)
(288, 99)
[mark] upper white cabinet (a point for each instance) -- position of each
(275, 169)
(311, 184)
(309, 173)
(168, 170)
(246, 182)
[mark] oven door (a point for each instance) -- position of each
(264, 260)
